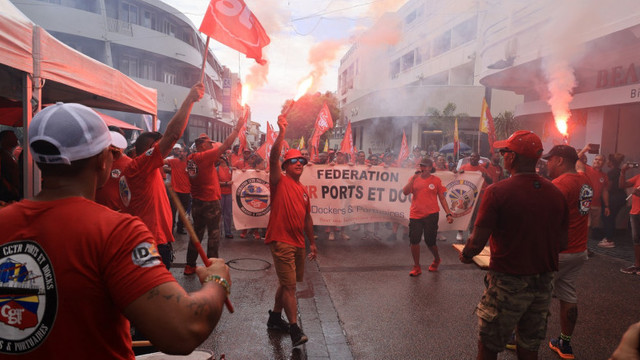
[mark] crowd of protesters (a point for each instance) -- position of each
(202, 177)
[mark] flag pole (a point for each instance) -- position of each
(204, 59)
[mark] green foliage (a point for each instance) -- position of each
(505, 124)
(445, 120)
(302, 116)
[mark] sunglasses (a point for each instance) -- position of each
(302, 161)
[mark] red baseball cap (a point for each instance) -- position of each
(522, 142)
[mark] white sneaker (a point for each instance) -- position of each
(605, 243)
(332, 236)
(345, 237)
(441, 237)
(459, 236)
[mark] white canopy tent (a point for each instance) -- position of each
(36, 69)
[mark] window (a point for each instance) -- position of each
(148, 70)
(129, 66)
(394, 69)
(410, 18)
(464, 32)
(169, 77)
(442, 43)
(408, 60)
(148, 19)
(129, 13)
(169, 28)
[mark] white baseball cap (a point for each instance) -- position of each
(76, 131)
(118, 140)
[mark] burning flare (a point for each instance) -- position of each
(303, 87)
(561, 125)
(246, 88)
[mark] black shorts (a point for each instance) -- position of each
(427, 226)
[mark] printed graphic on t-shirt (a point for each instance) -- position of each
(28, 296)
(584, 202)
(115, 173)
(146, 255)
(192, 168)
(252, 197)
(461, 195)
(125, 191)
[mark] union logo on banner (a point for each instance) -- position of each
(252, 197)
(461, 196)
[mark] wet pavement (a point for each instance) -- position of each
(358, 301)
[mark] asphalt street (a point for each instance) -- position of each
(359, 302)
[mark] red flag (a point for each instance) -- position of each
(233, 24)
(323, 123)
(404, 150)
(242, 138)
(346, 146)
(486, 123)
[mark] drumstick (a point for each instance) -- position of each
(141, 343)
(194, 237)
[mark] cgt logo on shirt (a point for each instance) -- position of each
(28, 296)
(585, 198)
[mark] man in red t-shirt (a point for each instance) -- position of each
(474, 165)
(494, 169)
(109, 194)
(180, 184)
(205, 192)
(634, 217)
(83, 271)
(424, 213)
(578, 193)
(525, 220)
(600, 183)
(289, 222)
(224, 176)
(142, 188)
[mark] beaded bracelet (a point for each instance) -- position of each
(220, 281)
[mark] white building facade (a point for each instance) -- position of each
(598, 43)
(422, 57)
(152, 43)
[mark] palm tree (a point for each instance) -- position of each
(444, 120)
(505, 124)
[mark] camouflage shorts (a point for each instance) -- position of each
(512, 302)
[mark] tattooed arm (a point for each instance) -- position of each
(176, 322)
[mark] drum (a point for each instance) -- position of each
(196, 355)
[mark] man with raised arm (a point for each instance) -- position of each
(289, 221)
(142, 188)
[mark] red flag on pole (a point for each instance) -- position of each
(346, 146)
(233, 24)
(404, 150)
(323, 123)
(242, 138)
(486, 123)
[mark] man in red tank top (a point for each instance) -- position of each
(289, 222)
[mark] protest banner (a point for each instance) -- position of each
(343, 195)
